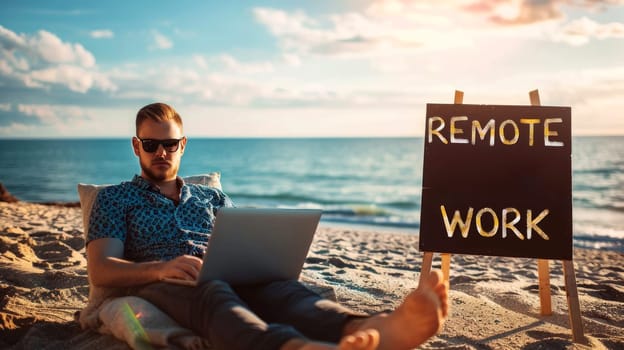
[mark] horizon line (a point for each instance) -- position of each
(33, 138)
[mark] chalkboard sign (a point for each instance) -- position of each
(497, 181)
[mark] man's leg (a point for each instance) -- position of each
(290, 302)
(420, 316)
(214, 311)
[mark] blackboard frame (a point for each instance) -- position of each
(530, 172)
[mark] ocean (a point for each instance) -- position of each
(357, 182)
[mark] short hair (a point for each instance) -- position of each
(158, 112)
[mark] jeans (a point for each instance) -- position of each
(250, 317)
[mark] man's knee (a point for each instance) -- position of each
(215, 291)
(215, 285)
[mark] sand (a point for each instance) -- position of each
(494, 301)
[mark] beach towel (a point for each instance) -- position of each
(142, 325)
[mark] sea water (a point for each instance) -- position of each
(371, 182)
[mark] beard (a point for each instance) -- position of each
(158, 176)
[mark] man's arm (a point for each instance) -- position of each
(107, 268)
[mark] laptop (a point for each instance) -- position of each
(252, 245)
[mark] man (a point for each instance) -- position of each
(157, 227)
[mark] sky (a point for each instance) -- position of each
(317, 68)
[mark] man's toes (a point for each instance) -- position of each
(435, 278)
(361, 340)
(346, 343)
(367, 339)
(372, 339)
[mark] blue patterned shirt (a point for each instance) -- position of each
(151, 226)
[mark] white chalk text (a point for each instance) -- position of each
(507, 221)
(460, 129)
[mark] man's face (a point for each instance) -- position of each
(160, 165)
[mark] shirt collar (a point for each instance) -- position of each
(143, 184)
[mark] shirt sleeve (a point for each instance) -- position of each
(227, 201)
(107, 219)
(220, 200)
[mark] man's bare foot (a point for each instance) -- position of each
(361, 340)
(419, 317)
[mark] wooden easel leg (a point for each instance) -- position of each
(446, 257)
(446, 266)
(543, 274)
(574, 308)
(426, 266)
(535, 98)
(459, 97)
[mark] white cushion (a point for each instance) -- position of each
(88, 192)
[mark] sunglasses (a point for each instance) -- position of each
(151, 145)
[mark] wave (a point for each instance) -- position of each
(310, 177)
(598, 171)
(398, 214)
(591, 188)
(373, 221)
(599, 242)
(350, 204)
(616, 205)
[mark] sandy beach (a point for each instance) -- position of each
(494, 301)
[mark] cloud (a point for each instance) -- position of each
(200, 61)
(582, 30)
(161, 42)
(5, 107)
(14, 129)
(102, 34)
(58, 116)
(595, 95)
(216, 80)
(187, 83)
(522, 12)
(394, 28)
(581, 87)
(43, 60)
(53, 114)
(43, 47)
(348, 35)
(70, 120)
(75, 78)
(515, 12)
(292, 60)
(296, 30)
(390, 29)
(43, 113)
(48, 47)
(238, 67)
(230, 83)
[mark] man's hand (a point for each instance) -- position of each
(185, 267)
(108, 268)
